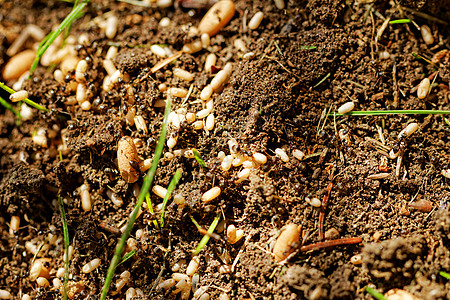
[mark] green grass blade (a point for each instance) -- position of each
(127, 256)
(150, 208)
(322, 80)
(199, 158)
(395, 112)
(375, 294)
(205, 238)
(447, 121)
(148, 180)
(400, 21)
(66, 245)
(445, 275)
(8, 106)
(170, 189)
(307, 47)
(26, 100)
(51, 37)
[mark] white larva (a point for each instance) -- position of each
(14, 224)
(410, 129)
(206, 93)
(205, 39)
(209, 62)
(209, 123)
(183, 74)
(111, 27)
(178, 92)
(85, 196)
(193, 265)
(159, 191)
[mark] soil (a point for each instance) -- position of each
(309, 58)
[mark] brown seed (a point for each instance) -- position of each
(128, 159)
(18, 64)
(284, 244)
(217, 17)
(422, 205)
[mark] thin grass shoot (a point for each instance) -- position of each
(400, 21)
(173, 183)
(148, 181)
(206, 237)
(51, 37)
(150, 208)
(199, 158)
(395, 112)
(127, 256)
(445, 275)
(66, 246)
(26, 100)
(375, 294)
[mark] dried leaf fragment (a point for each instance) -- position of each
(128, 159)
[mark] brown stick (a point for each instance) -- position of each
(326, 197)
(332, 243)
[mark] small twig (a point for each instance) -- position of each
(331, 243)
(326, 197)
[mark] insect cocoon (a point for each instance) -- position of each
(259, 158)
(42, 282)
(280, 153)
(279, 4)
(256, 20)
(217, 17)
(284, 244)
(91, 266)
(423, 88)
(427, 35)
(298, 154)
(18, 64)
(346, 107)
(211, 194)
(398, 294)
(85, 196)
(226, 163)
(128, 159)
(18, 96)
(209, 123)
(4, 294)
(166, 284)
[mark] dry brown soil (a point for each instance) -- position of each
(310, 58)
